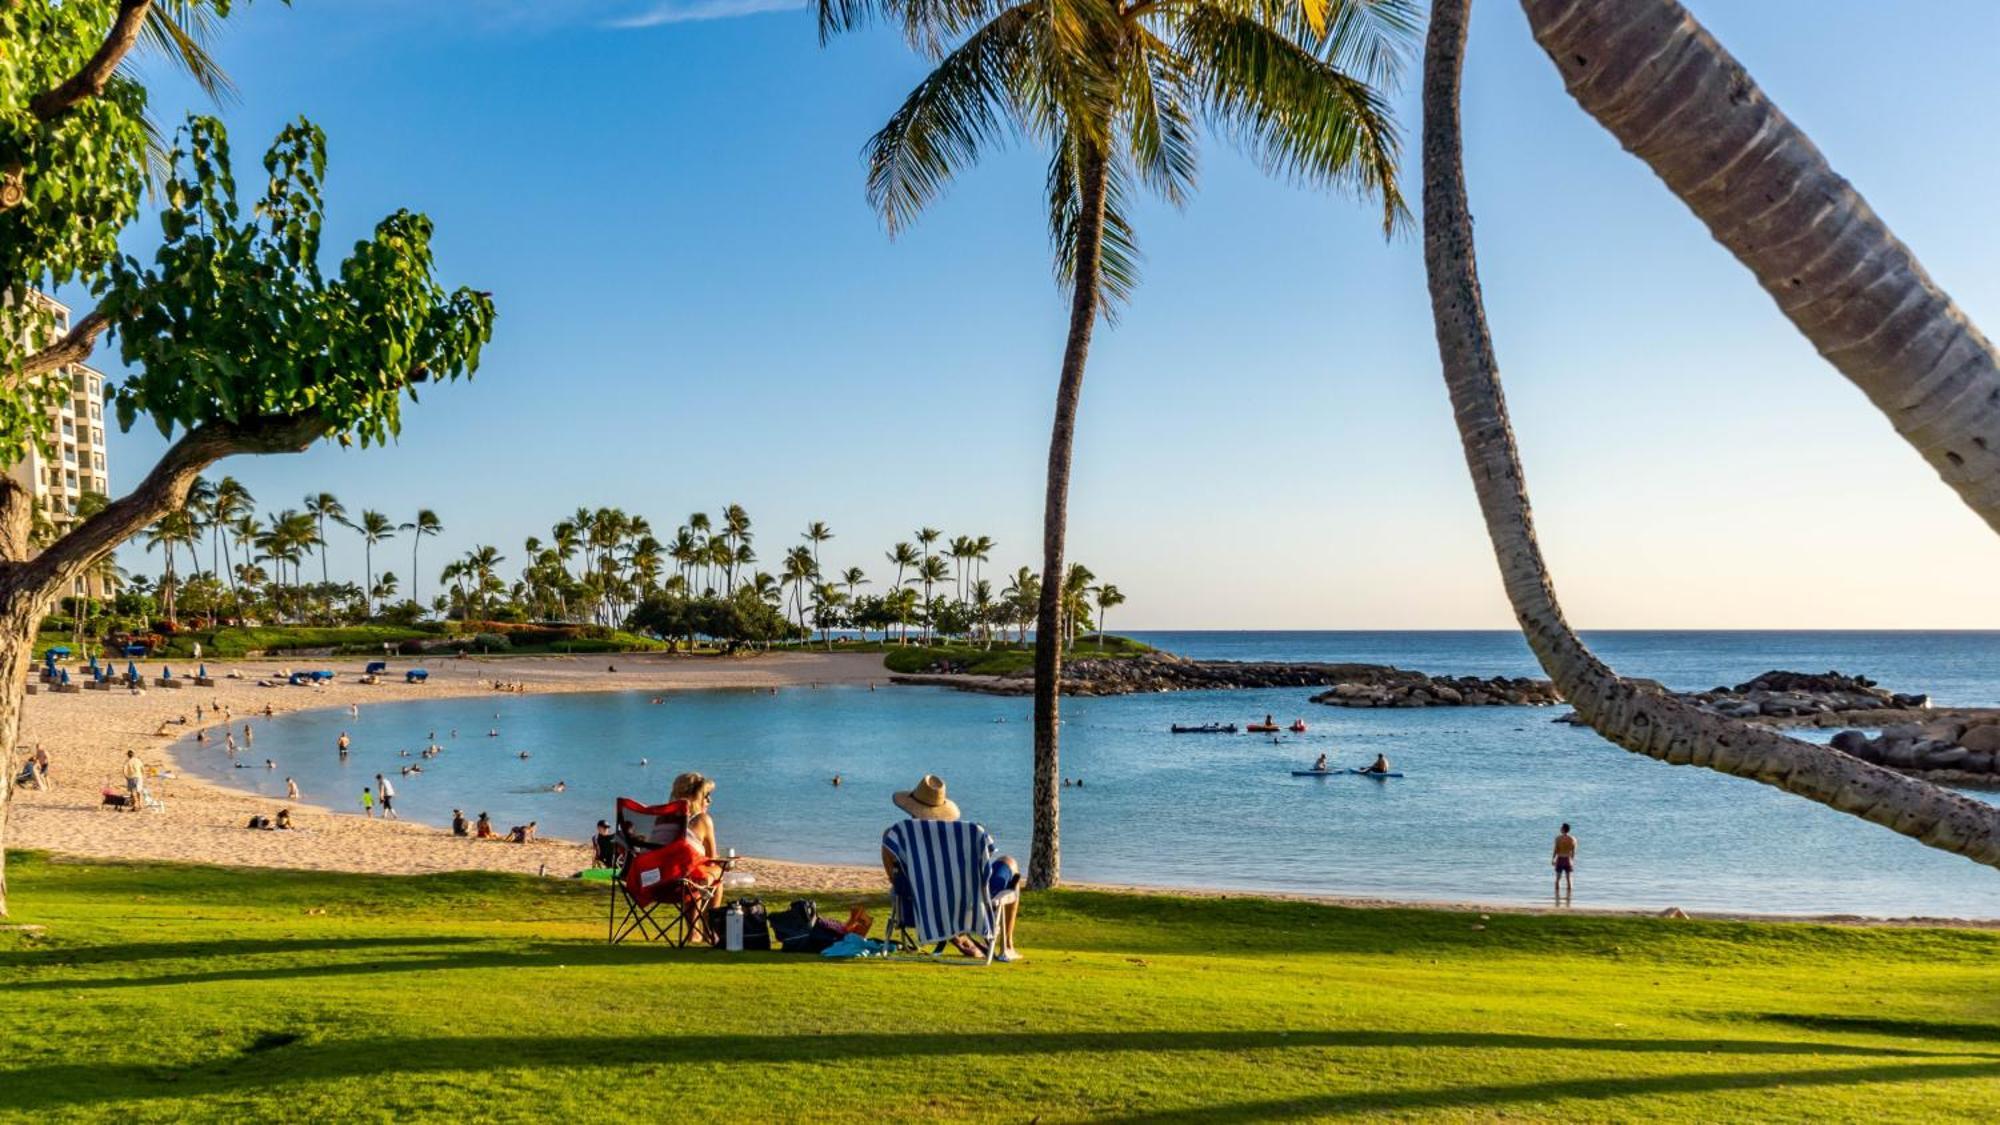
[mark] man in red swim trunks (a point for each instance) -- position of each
(1564, 858)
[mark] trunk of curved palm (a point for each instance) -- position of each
(1045, 859)
(1677, 100)
(1632, 715)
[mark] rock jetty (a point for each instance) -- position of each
(1944, 749)
(1796, 695)
(1347, 685)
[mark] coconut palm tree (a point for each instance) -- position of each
(817, 532)
(799, 571)
(1075, 601)
(1107, 596)
(1633, 714)
(851, 578)
(1674, 97)
(1114, 89)
(374, 528)
(232, 504)
(931, 571)
(426, 523)
(324, 506)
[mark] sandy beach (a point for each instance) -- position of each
(87, 735)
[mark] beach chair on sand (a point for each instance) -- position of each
(663, 885)
(944, 885)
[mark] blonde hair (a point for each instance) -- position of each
(691, 786)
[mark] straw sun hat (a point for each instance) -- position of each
(926, 800)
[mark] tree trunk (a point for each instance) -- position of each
(1633, 716)
(20, 617)
(1676, 99)
(1045, 858)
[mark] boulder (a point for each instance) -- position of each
(1978, 761)
(1985, 737)
(1948, 758)
(1944, 730)
(1849, 741)
(1897, 753)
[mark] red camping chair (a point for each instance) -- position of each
(660, 868)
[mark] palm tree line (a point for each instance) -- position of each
(596, 566)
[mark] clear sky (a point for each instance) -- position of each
(697, 307)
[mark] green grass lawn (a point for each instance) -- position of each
(158, 991)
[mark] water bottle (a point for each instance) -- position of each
(732, 928)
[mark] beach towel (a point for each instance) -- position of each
(945, 864)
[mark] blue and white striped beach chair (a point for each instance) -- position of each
(944, 884)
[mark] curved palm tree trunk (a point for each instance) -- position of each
(1632, 715)
(1045, 859)
(1676, 99)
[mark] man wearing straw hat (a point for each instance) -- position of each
(927, 801)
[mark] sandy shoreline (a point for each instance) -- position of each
(87, 735)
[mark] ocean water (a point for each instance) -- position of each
(1483, 793)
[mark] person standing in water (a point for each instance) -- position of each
(343, 744)
(1563, 858)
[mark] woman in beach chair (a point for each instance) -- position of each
(666, 859)
(946, 883)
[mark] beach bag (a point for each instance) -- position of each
(756, 924)
(792, 927)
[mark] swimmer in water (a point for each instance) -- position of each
(645, 762)
(494, 733)
(559, 787)
(836, 781)
(523, 755)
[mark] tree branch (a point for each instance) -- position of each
(164, 490)
(72, 348)
(90, 81)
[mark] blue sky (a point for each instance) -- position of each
(698, 307)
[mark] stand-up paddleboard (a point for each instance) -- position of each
(1372, 773)
(1318, 773)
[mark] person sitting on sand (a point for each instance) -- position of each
(604, 845)
(459, 827)
(483, 829)
(1319, 765)
(1379, 765)
(522, 833)
(927, 801)
(284, 821)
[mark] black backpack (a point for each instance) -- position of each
(793, 928)
(756, 924)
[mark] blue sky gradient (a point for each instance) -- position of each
(698, 307)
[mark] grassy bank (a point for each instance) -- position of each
(158, 991)
(1003, 659)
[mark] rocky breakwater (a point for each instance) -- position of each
(1348, 685)
(1953, 749)
(1397, 688)
(1796, 696)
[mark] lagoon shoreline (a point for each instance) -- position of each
(87, 735)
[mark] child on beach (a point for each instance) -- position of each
(368, 802)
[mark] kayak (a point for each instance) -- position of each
(1205, 728)
(1372, 773)
(1317, 773)
(1262, 728)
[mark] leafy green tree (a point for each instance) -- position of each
(1114, 90)
(236, 340)
(1107, 597)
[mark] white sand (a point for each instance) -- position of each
(88, 734)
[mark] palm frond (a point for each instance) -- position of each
(966, 103)
(1118, 255)
(1295, 113)
(1372, 40)
(1159, 119)
(181, 31)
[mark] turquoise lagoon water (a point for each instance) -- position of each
(1484, 791)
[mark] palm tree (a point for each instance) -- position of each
(736, 533)
(374, 528)
(817, 532)
(1107, 596)
(324, 506)
(1075, 601)
(1024, 599)
(852, 577)
(426, 523)
(1674, 97)
(232, 504)
(1632, 714)
(799, 571)
(1114, 89)
(931, 571)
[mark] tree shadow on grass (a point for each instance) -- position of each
(1488, 1097)
(259, 1064)
(425, 954)
(1907, 1029)
(72, 956)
